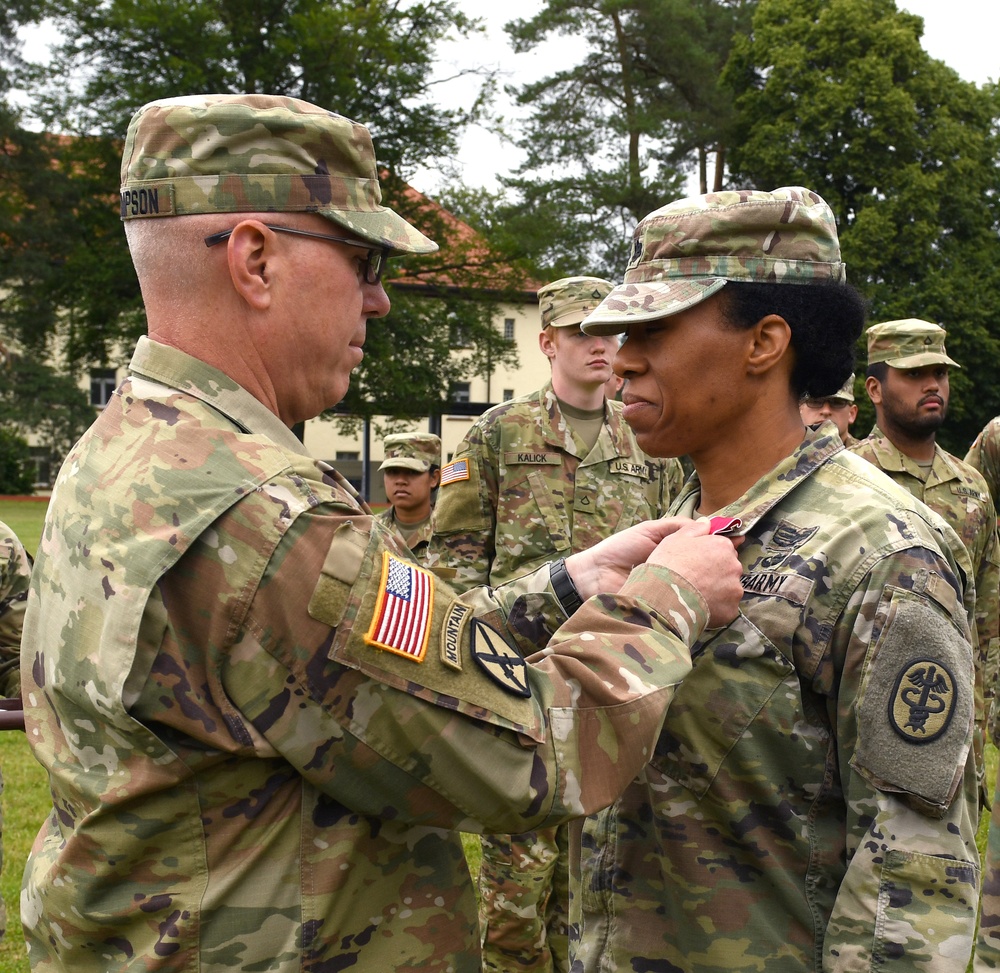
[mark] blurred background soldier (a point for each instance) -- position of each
(907, 381)
(411, 470)
(539, 476)
(984, 455)
(15, 576)
(839, 408)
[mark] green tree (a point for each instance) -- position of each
(368, 59)
(611, 139)
(839, 96)
(16, 468)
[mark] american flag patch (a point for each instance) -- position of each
(402, 621)
(453, 472)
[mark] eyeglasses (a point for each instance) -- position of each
(371, 270)
(835, 404)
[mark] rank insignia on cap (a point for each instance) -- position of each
(402, 619)
(454, 472)
(922, 701)
(501, 661)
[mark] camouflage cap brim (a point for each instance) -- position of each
(403, 463)
(921, 360)
(258, 154)
(629, 303)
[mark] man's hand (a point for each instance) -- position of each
(707, 562)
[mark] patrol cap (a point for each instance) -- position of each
(686, 251)
(569, 300)
(412, 451)
(257, 154)
(909, 343)
(845, 393)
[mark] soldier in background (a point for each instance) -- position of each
(984, 455)
(907, 381)
(411, 470)
(537, 477)
(811, 800)
(264, 725)
(15, 575)
(839, 408)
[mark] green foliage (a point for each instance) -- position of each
(839, 96)
(16, 469)
(609, 140)
(67, 270)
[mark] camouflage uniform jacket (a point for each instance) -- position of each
(984, 455)
(803, 809)
(15, 575)
(962, 497)
(416, 540)
(252, 765)
(520, 491)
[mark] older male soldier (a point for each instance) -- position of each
(551, 472)
(839, 408)
(263, 724)
(907, 381)
(810, 804)
(411, 470)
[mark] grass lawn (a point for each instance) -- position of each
(26, 796)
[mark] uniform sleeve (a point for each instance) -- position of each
(463, 523)
(984, 455)
(442, 721)
(15, 576)
(904, 724)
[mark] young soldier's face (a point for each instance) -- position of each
(913, 400)
(577, 358)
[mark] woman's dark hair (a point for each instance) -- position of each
(826, 322)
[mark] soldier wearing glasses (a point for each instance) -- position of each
(263, 724)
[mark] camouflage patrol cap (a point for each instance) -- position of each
(686, 251)
(845, 393)
(569, 300)
(412, 451)
(909, 343)
(257, 154)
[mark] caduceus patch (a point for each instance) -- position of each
(922, 701)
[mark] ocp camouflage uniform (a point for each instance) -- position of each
(960, 495)
(521, 490)
(984, 455)
(249, 770)
(15, 574)
(416, 540)
(811, 803)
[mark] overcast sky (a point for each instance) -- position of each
(962, 33)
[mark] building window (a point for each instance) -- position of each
(508, 329)
(347, 455)
(102, 386)
(508, 394)
(461, 392)
(460, 336)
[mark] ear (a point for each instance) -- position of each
(852, 413)
(874, 389)
(546, 341)
(248, 252)
(435, 479)
(770, 338)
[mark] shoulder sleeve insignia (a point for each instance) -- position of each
(455, 472)
(401, 622)
(923, 701)
(501, 661)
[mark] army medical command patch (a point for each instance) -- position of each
(922, 701)
(453, 472)
(402, 619)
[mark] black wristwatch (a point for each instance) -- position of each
(562, 585)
